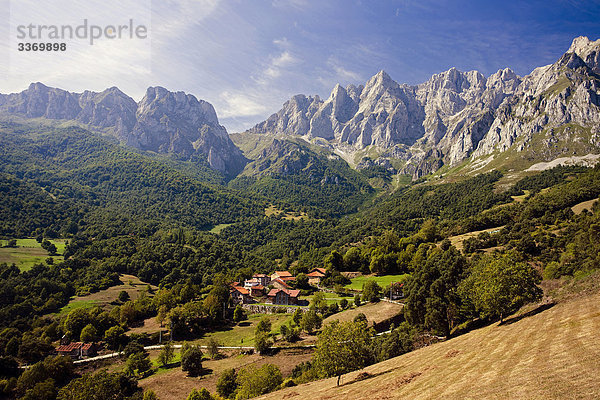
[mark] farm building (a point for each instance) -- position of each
(77, 350)
(283, 296)
(315, 276)
(257, 291)
(280, 284)
(281, 274)
(240, 295)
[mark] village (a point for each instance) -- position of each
(256, 289)
(275, 293)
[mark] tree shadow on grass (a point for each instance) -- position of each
(537, 310)
(201, 373)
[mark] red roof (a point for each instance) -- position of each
(281, 282)
(321, 270)
(282, 273)
(69, 347)
(287, 278)
(257, 287)
(318, 274)
(259, 276)
(86, 346)
(241, 290)
(291, 293)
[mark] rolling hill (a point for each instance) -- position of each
(550, 355)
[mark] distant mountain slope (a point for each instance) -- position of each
(304, 176)
(453, 116)
(550, 355)
(53, 178)
(163, 122)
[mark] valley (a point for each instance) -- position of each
(433, 240)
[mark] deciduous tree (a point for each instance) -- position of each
(343, 347)
(499, 285)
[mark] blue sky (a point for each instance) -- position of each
(248, 57)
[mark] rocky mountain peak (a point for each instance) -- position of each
(582, 46)
(163, 121)
(571, 61)
(180, 103)
(380, 80)
(453, 115)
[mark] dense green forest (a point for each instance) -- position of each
(129, 212)
(306, 179)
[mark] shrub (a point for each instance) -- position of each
(254, 382)
(262, 342)
(191, 360)
(123, 296)
(227, 383)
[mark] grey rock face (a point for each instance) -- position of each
(41, 101)
(451, 117)
(163, 122)
(179, 123)
(551, 97)
(108, 109)
(450, 113)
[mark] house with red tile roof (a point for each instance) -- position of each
(280, 284)
(315, 276)
(77, 350)
(283, 296)
(257, 291)
(240, 295)
(262, 278)
(281, 274)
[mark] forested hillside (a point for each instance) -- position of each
(128, 212)
(61, 181)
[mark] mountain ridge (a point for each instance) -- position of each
(164, 122)
(452, 117)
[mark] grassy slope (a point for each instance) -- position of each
(174, 384)
(551, 355)
(243, 334)
(383, 281)
(586, 205)
(104, 298)
(375, 312)
(29, 252)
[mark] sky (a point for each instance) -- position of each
(248, 57)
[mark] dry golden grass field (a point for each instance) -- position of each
(174, 384)
(554, 354)
(586, 205)
(105, 298)
(457, 241)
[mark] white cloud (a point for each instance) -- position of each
(283, 43)
(285, 59)
(335, 72)
(276, 67)
(343, 73)
(295, 4)
(240, 104)
(125, 62)
(172, 17)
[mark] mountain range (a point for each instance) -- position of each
(414, 130)
(162, 122)
(453, 116)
